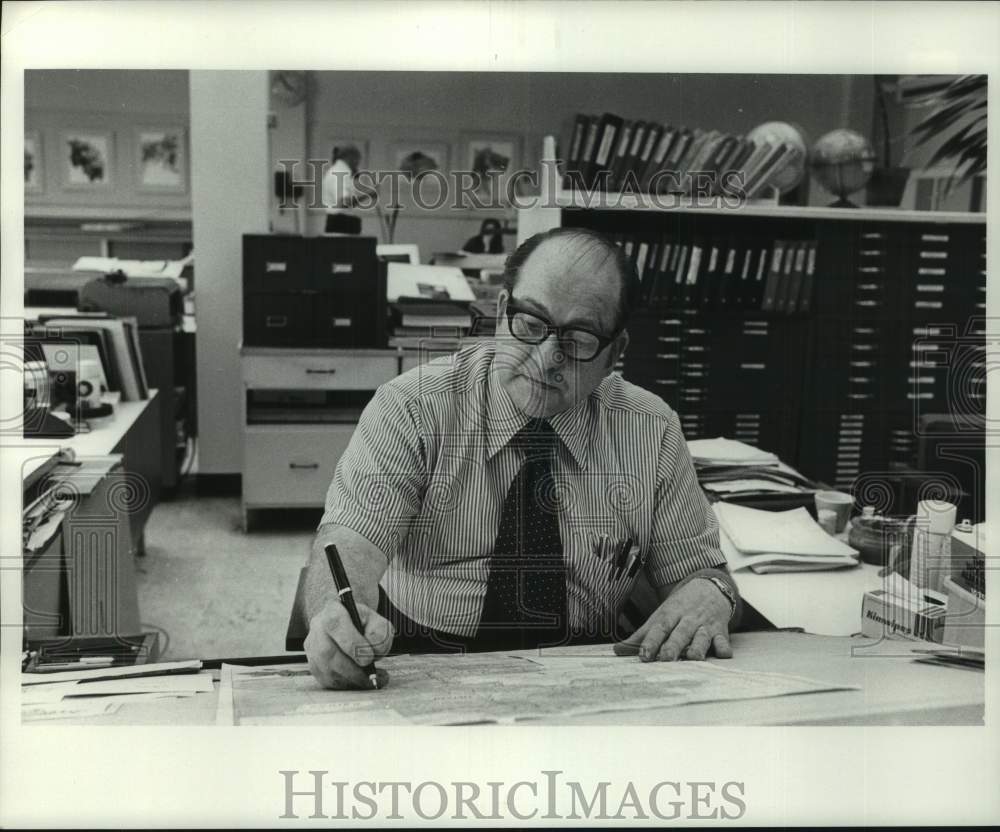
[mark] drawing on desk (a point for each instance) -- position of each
(494, 688)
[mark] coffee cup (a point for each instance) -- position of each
(838, 502)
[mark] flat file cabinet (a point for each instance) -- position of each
(300, 408)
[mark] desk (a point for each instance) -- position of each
(892, 690)
(133, 431)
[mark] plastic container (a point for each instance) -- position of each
(883, 541)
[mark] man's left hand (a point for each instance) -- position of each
(692, 621)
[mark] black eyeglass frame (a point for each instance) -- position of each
(513, 307)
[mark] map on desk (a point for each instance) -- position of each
(492, 688)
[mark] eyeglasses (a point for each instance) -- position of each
(531, 328)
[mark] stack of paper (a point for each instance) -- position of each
(778, 541)
(722, 451)
(101, 691)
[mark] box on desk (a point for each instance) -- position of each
(907, 615)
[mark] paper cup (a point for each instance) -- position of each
(838, 502)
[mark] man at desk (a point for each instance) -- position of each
(493, 500)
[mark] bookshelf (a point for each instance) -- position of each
(893, 333)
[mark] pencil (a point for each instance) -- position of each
(347, 599)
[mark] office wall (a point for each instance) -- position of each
(229, 199)
(116, 102)
(385, 107)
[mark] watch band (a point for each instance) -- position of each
(725, 589)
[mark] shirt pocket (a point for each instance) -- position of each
(607, 568)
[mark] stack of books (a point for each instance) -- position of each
(610, 153)
(414, 317)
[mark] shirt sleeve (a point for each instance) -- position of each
(685, 531)
(379, 481)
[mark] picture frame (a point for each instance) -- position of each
(341, 141)
(86, 158)
(494, 157)
(34, 163)
(486, 151)
(418, 155)
(161, 159)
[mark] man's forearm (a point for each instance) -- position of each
(363, 563)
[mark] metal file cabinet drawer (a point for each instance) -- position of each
(293, 465)
(316, 371)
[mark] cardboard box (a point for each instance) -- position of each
(915, 617)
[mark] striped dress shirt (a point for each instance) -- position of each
(426, 472)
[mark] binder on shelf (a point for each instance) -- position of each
(600, 161)
(706, 291)
(792, 302)
(629, 183)
(756, 297)
(692, 273)
(657, 159)
(621, 154)
(571, 176)
(770, 172)
(653, 133)
(784, 283)
(585, 166)
(769, 300)
(759, 175)
(806, 294)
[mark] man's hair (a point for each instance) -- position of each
(591, 244)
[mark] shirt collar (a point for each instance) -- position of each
(574, 427)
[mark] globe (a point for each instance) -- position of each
(778, 132)
(843, 161)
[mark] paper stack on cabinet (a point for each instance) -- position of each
(778, 541)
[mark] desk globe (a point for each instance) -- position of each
(780, 132)
(843, 162)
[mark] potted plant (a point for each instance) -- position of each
(961, 111)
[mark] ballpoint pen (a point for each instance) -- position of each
(347, 599)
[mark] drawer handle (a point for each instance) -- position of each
(303, 466)
(311, 372)
(274, 321)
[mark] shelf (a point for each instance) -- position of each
(599, 200)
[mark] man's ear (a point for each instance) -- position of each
(502, 297)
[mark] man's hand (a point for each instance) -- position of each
(337, 652)
(690, 622)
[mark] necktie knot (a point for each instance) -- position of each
(536, 435)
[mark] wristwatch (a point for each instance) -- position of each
(725, 589)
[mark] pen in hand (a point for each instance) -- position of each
(347, 599)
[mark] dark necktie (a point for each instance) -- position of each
(525, 603)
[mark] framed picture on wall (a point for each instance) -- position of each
(350, 146)
(161, 159)
(492, 153)
(492, 159)
(86, 158)
(33, 171)
(414, 157)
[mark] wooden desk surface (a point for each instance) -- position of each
(892, 690)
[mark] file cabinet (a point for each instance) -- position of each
(895, 334)
(300, 408)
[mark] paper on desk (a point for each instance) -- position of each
(730, 451)
(70, 709)
(495, 687)
(190, 666)
(174, 683)
(794, 532)
(43, 533)
(728, 486)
